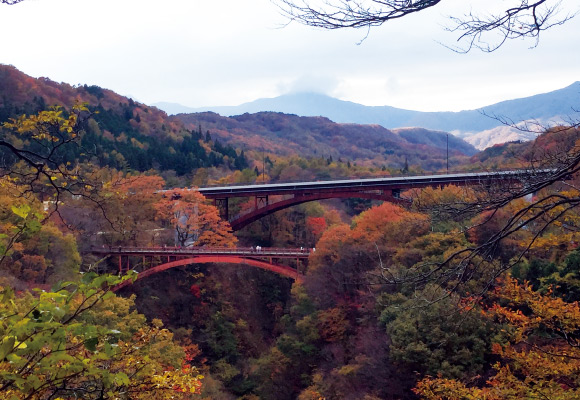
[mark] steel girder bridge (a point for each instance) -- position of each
(147, 261)
(151, 260)
(385, 189)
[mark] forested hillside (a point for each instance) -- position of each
(121, 133)
(286, 134)
(545, 150)
(125, 134)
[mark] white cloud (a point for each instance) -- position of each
(323, 84)
(226, 52)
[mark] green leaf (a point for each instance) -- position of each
(34, 226)
(108, 295)
(13, 358)
(7, 295)
(89, 277)
(57, 286)
(109, 349)
(6, 346)
(52, 296)
(58, 312)
(122, 379)
(91, 344)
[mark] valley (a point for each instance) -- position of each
(274, 256)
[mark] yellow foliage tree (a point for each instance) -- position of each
(541, 358)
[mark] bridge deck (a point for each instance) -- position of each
(400, 182)
(158, 259)
(204, 251)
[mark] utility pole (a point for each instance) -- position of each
(448, 153)
(263, 166)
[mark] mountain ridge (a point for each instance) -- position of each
(126, 134)
(368, 144)
(553, 106)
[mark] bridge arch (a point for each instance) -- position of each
(246, 219)
(380, 188)
(205, 259)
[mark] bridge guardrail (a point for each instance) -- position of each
(489, 173)
(254, 251)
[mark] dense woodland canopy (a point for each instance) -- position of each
(370, 145)
(389, 308)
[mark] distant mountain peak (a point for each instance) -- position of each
(552, 106)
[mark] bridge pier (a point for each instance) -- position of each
(260, 201)
(122, 270)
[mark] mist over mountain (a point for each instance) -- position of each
(555, 106)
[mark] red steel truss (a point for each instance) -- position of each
(151, 260)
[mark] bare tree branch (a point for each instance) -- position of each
(35, 153)
(350, 14)
(487, 32)
(523, 20)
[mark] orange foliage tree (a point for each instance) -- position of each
(316, 226)
(388, 223)
(347, 258)
(196, 222)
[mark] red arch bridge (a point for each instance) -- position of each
(385, 189)
(148, 261)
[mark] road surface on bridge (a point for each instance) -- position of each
(390, 182)
(258, 252)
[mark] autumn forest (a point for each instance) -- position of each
(453, 292)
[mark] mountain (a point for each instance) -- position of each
(552, 106)
(545, 150)
(436, 139)
(499, 135)
(125, 134)
(174, 108)
(290, 135)
(121, 133)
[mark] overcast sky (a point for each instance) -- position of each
(227, 52)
